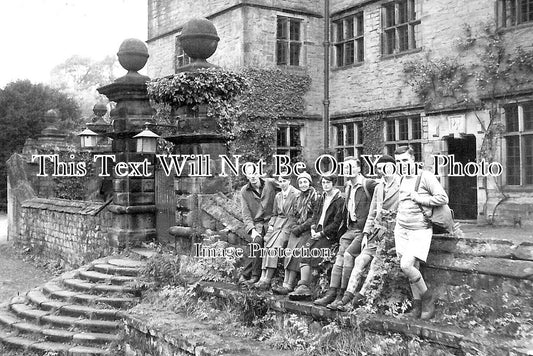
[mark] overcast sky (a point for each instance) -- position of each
(36, 35)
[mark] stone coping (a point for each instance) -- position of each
(80, 207)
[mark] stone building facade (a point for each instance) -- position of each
(371, 43)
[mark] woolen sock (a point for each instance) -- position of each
(336, 275)
(346, 271)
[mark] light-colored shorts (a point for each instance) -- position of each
(412, 242)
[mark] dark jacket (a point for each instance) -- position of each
(332, 219)
(361, 201)
(305, 206)
(257, 210)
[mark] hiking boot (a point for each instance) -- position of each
(301, 292)
(329, 297)
(243, 280)
(262, 285)
(428, 306)
(252, 281)
(351, 301)
(281, 290)
(416, 310)
(338, 300)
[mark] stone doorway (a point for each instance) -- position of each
(462, 191)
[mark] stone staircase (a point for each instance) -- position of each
(74, 314)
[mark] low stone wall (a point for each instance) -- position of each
(73, 231)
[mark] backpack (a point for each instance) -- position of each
(441, 218)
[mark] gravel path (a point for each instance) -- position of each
(16, 275)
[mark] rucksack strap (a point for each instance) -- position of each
(365, 181)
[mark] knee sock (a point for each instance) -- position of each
(347, 270)
(370, 276)
(336, 275)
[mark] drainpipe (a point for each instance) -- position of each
(326, 74)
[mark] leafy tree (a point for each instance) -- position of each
(80, 76)
(22, 108)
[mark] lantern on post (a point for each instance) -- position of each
(88, 138)
(146, 141)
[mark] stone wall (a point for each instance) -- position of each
(73, 231)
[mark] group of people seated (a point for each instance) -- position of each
(312, 222)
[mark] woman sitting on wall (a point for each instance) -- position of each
(326, 220)
(279, 229)
(303, 213)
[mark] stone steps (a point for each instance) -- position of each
(94, 276)
(75, 314)
(37, 298)
(92, 287)
(51, 333)
(55, 291)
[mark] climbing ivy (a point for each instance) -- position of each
(496, 69)
(373, 132)
(246, 103)
(216, 88)
(437, 81)
(272, 94)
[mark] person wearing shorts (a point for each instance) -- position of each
(413, 233)
(379, 225)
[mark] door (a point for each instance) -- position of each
(462, 191)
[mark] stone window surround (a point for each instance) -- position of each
(355, 38)
(351, 145)
(285, 132)
(407, 131)
(390, 33)
(522, 136)
(289, 42)
(509, 13)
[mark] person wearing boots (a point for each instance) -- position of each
(327, 218)
(413, 233)
(279, 229)
(379, 224)
(257, 202)
(358, 196)
(303, 214)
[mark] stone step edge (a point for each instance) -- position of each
(38, 298)
(83, 285)
(63, 320)
(451, 337)
(479, 265)
(71, 350)
(52, 289)
(94, 276)
(54, 334)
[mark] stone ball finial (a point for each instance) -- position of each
(99, 109)
(199, 38)
(132, 54)
(51, 115)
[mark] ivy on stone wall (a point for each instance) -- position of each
(73, 188)
(499, 70)
(214, 87)
(373, 135)
(438, 81)
(272, 94)
(246, 104)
